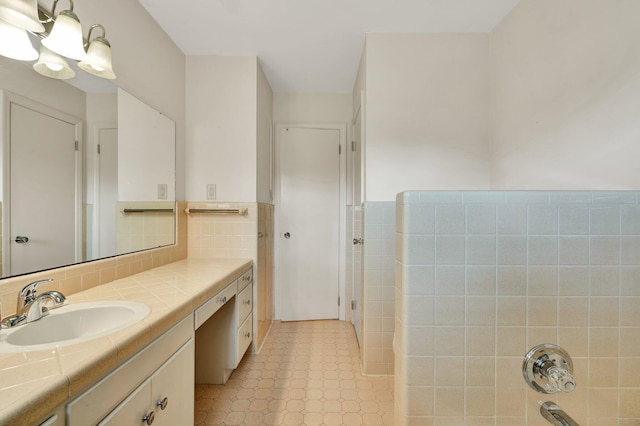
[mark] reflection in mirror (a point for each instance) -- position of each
(93, 167)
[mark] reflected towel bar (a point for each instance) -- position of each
(127, 211)
(217, 211)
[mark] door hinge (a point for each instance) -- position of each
(339, 149)
(98, 148)
(338, 300)
(353, 305)
(354, 146)
(75, 146)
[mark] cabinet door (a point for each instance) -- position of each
(174, 381)
(131, 410)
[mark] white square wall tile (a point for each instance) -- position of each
(604, 250)
(542, 220)
(604, 220)
(511, 250)
(511, 219)
(481, 250)
(450, 250)
(630, 220)
(450, 219)
(573, 220)
(481, 219)
(420, 250)
(542, 251)
(420, 219)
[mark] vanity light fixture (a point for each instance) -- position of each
(52, 65)
(98, 61)
(21, 13)
(15, 43)
(61, 37)
(66, 35)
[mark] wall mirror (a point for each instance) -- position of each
(88, 171)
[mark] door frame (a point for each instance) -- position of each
(6, 99)
(342, 129)
(96, 231)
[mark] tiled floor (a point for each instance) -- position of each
(308, 373)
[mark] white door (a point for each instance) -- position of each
(309, 223)
(43, 191)
(356, 228)
(107, 191)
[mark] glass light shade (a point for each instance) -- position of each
(53, 65)
(21, 13)
(15, 43)
(66, 37)
(98, 60)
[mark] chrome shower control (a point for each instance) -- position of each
(548, 368)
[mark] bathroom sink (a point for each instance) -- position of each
(72, 323)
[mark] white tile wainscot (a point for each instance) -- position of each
(34, 385)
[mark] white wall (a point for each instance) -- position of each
(145, 151)
(20, 78)
(147, 63)
(102, 108)
(264, 151)
(566, 96)
(221, 107)
(426, 113)
(312, 108)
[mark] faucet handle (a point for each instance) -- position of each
(28, 293)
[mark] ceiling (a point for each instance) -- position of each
(312, 45)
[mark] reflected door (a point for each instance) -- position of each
(309, 223)
(43, 173)
(107, 191)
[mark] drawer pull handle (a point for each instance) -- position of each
(247, 334)
(247, 278)
(223, 299)
(247, 302)
(149, 418)
(162, 403)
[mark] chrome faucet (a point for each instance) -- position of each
(555, 415)
(31, 307)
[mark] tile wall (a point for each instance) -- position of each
(378, 284)
(223, 235)
(236, 236)
(137, 231)
(484, 276)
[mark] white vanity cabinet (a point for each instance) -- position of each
(164, 369)
(244, 316)
(224, 331)
(166, 388)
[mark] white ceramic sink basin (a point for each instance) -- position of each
(72, 323)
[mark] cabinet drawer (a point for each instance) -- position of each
(245, 336)
(245, 303)
(91, 406)
(245, 279)
(212, 305)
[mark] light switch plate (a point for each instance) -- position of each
(211, 191)
(162, 191)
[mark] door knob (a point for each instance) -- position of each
(287, 235)
(21, 240)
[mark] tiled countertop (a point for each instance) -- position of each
(33, 384)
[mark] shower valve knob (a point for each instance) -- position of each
(548, 368)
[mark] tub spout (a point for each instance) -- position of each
(555, 415)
